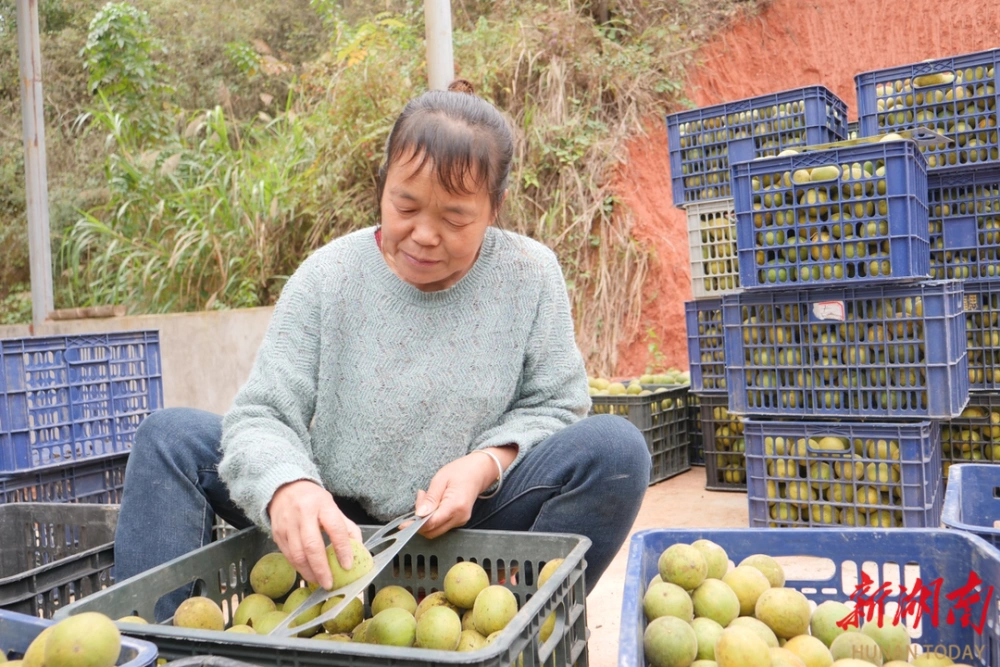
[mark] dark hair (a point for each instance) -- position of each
(462, 134)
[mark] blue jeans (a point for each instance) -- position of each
(588, 479)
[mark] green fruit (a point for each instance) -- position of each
(251, 608)
(396, 596)
(85, 640)
(242, 629)
(346, 620)
(470, 641)
(708, 632)
(548, 570)
(811, 650)
(35, 655)
(199, 614)
(824, 621)
(748, 583)
(684, 565)
(714, 599)
(495, 606)
(272, 576)
(740, 647)
(715, 556)
(857, 646)
(666, 599)
(783, 658)
(891, 638)
(136, 620)
(770, 567)
(362, 565)
(433, 600)
(785, 610)
(464, 582)
(269, 621)
(294, 601)
(360, 634)
(669, 642)
(324, 636)
(393, 627)
(467, 621)
(440, 628)
(758, 628)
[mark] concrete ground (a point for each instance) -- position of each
(680, 502)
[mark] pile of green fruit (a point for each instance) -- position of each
(728, 447)
(86, 640)
(705, 149)
(975, 436)
(668, 409)
(702, 613)
(980, 260)
(712, 348)
(874, 359)
(716, 230)
(823, 223)
(466, 616)
(982, 331)
(851, 483)
(965, 112)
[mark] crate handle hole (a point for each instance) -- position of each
(807, 568)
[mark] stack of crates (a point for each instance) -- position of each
(703, 144)
(842, 355)
(956, 97)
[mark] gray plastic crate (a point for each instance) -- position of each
(221, 571)
(52, 553)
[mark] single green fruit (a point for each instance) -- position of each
(199, 613)
(395, 596)
(85, 640)
(463, 582)
(272, 576)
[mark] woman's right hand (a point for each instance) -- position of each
(299, 511)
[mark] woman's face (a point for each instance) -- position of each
(430, 237)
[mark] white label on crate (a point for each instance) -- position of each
(829, 310)
(971, 302)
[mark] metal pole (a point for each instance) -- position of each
(35, 176)
(440, 61)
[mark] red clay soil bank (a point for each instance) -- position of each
(792, 43)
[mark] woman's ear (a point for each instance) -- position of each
(496, 214)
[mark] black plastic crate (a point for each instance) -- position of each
(662, 416)
(695, 440)
(973, 437)
(52, 554)
(98, 481)
(722, 437)
(222, 572)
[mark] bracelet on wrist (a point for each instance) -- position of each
(499, 479)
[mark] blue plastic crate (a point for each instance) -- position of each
(875, 352)
(824, 564)
(972, 501)
(964, 220)
(956, 97)
(99, 480)
(888, 477)
(863, 219)
(974, 437)
(982, 328)
(17, 631)
(706, 346)
(722, 435)
(704, 142)
(70, 398)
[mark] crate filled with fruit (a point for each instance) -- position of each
(657, 404)
(706, 342)
(956, 97)
(715, 269)
(468, 597)
(964, 223)
(696, 447)
(811, 597)
(722, 437)
(973, 437)
(883, 475)
(704, 142)
(876, 352)
(821, 217)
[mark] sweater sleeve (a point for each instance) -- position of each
(265, 439)
(553, 387)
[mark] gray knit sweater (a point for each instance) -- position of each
(368, 385)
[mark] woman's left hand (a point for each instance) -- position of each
(453, 491)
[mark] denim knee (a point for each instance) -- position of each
(614, 444)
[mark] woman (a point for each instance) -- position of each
(428, 364)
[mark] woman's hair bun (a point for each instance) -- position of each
(461, 86)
